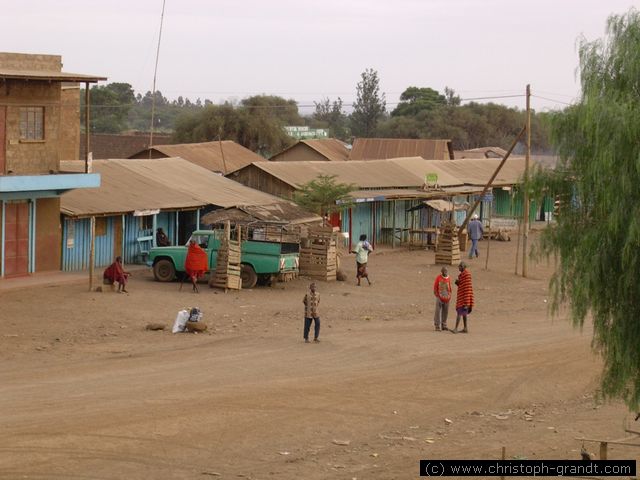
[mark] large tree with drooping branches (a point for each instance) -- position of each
(596, 239)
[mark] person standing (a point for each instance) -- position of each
(362, 250)
(442, 291)
(311, 301)
(475, 231)
(195, 264)
(464, 298)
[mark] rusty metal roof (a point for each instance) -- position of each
(482, 152)
(332, 148)
(382, 148)
(282, 212)
(224, 157)
(165, 184)
(398, 172)
(48, 75)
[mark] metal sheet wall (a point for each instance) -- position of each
(362, 221)
(76, 243)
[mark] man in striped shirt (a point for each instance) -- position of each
(464, 299)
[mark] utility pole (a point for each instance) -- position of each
(527, 157)
(155, 74)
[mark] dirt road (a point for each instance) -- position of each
(88, 393)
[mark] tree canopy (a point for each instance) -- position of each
(596, 237)
(256, 128)
(370, 105)
(415, 100)
(321, 194)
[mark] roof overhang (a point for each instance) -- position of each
(34, 186)
(48, 75)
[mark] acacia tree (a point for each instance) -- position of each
(370, 105)
(332, 115)
(597, 234)
(322, 194)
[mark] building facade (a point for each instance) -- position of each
(39, 126)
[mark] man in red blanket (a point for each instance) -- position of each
(115, 273)
(464, 300)
(196, 263)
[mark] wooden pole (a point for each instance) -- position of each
(525, 236)
(92, 252)
(518, 244)
(504, 457)
(486, 261)
(87, 131)
(493, 177)
(224, 163)
(603, 450)
(393, 230)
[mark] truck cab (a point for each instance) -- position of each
(261, 257)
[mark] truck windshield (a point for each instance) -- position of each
(202, 240)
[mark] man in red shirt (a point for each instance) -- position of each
(442, 291)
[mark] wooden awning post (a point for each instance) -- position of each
(87, 131)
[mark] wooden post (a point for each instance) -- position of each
(486, 261)
(603, 450)
(224, 163)
(393, 229)
(526, 193)
(518, 244)
(92, 252)
(87, 131)
(504, 457)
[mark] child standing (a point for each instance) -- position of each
(311, 301)
(442, 291)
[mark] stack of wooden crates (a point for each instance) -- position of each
(227, 274)
(448, 248)
(318, 254)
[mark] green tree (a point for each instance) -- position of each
(370, 105)
(110, 106)
(321, 194)
(331, 115)
(257, 131)
(285, 111)
(597, 234)
(414, 100)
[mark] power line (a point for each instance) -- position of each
(552, 100)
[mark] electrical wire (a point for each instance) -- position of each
(552, 100)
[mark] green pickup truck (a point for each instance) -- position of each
(260, 259)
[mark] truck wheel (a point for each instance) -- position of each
(248, 276)
(164, 271)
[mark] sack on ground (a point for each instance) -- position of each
(180, 322)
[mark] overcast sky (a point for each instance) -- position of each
(230, 49)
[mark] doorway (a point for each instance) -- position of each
(16, 240)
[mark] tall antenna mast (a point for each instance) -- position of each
(155, 74)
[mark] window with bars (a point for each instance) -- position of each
(32, 123)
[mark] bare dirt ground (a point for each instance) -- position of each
(87, 393)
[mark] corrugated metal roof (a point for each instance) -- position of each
(369, 174)
(51, 75)
(398, 172)
(482, 152)
(166, 184)
(276, 213)
(209, 155)
(332, 148)
(479, 171)
(382, 148)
